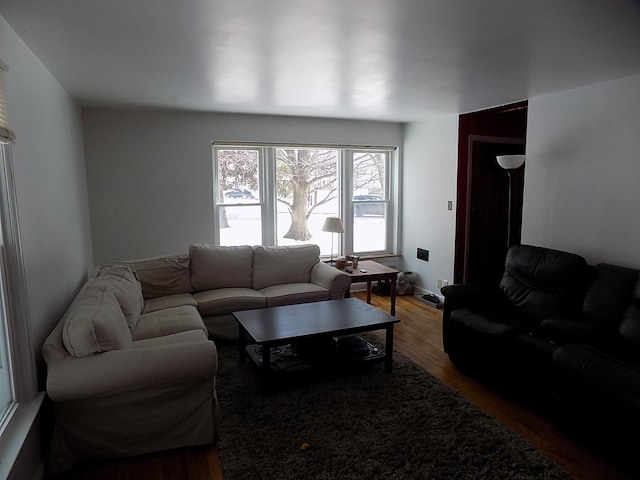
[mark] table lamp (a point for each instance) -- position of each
(333, 225)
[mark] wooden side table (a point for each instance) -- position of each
(374, 271)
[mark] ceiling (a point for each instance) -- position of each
(393, 60)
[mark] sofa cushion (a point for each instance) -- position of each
(292, 293)
(605, 374)
(286, 264)
(172, 339)
(214, 266)
(167, 322)
(165, 275)
(126, 288)
(543, 283)
(169, 301)
(610, 294)
(95, 323)
(226, 300)
(630, 326)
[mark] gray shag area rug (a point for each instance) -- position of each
(363, 424)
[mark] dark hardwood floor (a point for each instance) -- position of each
(418, 336)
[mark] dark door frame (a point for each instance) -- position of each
(505, 123)
(467, 207)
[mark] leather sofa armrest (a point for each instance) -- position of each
(131, 370)
(564, 330)
(331, 278)
(470, 295)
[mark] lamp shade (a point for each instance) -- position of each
(333, 224)
(510, 162)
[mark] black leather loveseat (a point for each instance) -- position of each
(559, 330)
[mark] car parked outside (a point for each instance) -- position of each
(371, 205)
(244, 193)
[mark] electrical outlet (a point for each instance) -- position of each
(423, 254)
(439, 284)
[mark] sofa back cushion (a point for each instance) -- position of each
(630, 325)
(543, 282)
(214, 266)
(610, 294)
(95, 323)
(126, 288)
(160, 276)
(280, 265)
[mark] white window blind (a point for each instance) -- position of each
(6, 135)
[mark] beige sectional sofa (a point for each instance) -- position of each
(131, 365)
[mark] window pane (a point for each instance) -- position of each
(238, 176)
(238, 184)
(240, 225)
(369, 174)
(307, 193)
(6, 379)
(370, 231)
(369, 205)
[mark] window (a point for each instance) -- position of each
(18, 383)
(7, 395)
(281, 194)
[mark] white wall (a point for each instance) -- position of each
(583, 165)
(51, 185)
(51, 191)
(429, 182)
(150, 172)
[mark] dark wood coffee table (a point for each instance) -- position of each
(276, 326)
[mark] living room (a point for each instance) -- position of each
(89, 180)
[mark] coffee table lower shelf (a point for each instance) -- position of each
(288, 358)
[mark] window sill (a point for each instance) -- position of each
(16, 432)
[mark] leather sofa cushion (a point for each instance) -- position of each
(604, 373)
(477, 323)
(126, 288)
(610, 294)
(630, 326)
(292, 293)
(95, 323)
(226, 300)
(563, 330)
(214, 266)
(542, 282)
(283, 264)
(165, 275)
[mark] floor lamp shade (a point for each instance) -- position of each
(510, 162)
(333, 225)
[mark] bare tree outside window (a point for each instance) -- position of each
(306, 179)
(369, 173)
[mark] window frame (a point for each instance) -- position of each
(268, 194)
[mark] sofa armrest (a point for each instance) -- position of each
(331, 278)
(470, 295)
(131, 370)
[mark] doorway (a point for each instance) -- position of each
(483, 193)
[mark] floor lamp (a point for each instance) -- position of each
(510, 163)
(333, 225)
